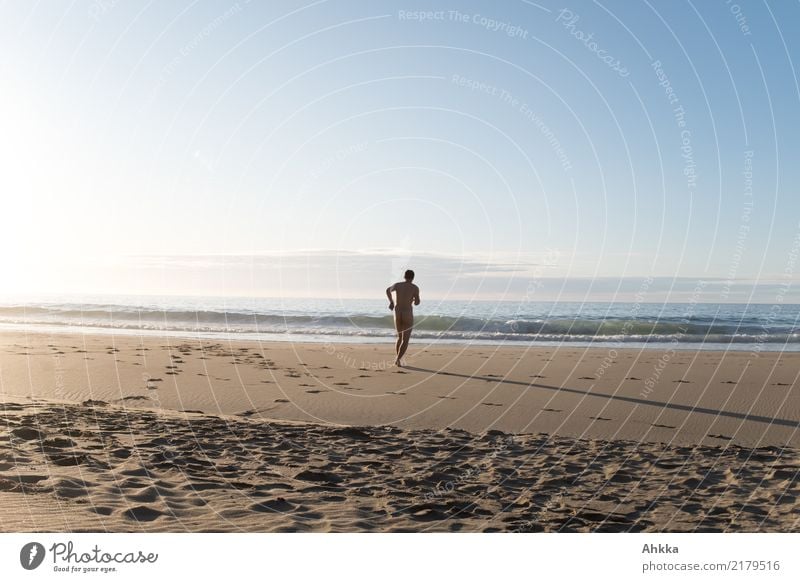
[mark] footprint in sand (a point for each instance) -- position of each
(142, 513)
(145, 495)
(277, 505)
(59, 443)
(27, 433)
(71, 488)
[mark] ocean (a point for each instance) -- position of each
(744, 327)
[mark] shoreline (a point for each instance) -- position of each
(304, 338)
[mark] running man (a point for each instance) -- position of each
(407, 297)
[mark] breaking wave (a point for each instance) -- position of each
(607, 327)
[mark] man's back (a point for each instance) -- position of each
(407, 294)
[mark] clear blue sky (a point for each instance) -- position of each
(497, 145)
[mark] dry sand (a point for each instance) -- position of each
(124, 433)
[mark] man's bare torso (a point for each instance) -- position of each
(406, 295)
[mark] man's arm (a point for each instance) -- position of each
(389, 295)
(416, 295)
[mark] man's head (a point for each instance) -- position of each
(409, 276)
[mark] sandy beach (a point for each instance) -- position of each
(127, 433)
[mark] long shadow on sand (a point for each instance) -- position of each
(643, 401)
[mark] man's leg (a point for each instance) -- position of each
(408, 323)
(404, 344)
(398, 325)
